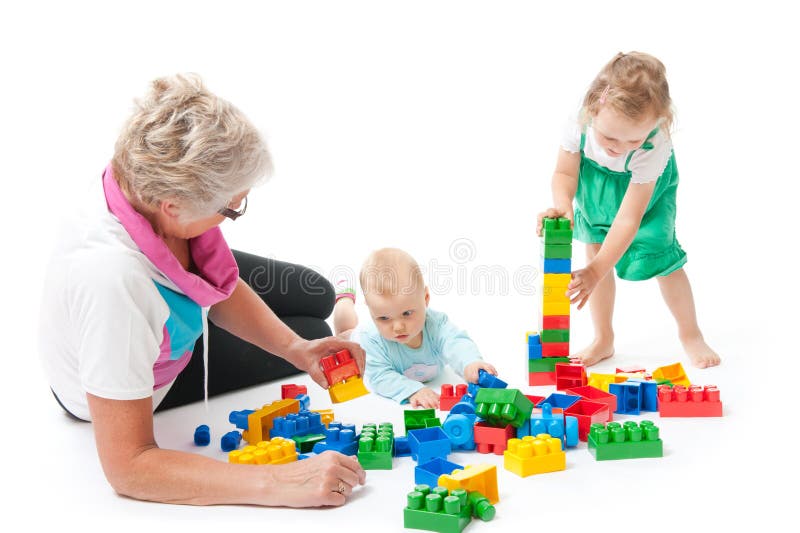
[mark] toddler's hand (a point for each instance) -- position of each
(471, 370)
(554, 212)
(583, 283)
(425, 398)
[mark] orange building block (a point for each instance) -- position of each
(481, 478)
(259, 422)
(326, 415)
(277, 451)
(352, 388)
(534, 455)
(601, 381)
(674, 373)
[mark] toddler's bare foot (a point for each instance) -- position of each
(600, 349)
(700, 353)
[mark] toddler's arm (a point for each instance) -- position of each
(564, 185)
(460, 351)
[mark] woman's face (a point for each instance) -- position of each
(195, 228)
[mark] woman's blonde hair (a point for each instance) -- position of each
(634, 84)
(186, 144)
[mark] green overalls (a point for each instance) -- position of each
(655, 250)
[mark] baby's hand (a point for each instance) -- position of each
(583, 283)
(471, 370)
(554, 212)
(425, 398)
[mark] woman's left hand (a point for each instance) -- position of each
(583, 283)
(306, 355)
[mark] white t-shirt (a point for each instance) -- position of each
(645, 165)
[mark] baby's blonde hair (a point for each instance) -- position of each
(635, 85)
(390, 272)
(187, 144)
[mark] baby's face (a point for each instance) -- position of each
(399, 318)
(618, 134)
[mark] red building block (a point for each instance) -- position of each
(695, 401)
(534, 399)
(587, 412)
(555, 322)
(339, 367)
(569, 375)
(491, 439)
(449, 397)
(596, 395)
(291, 390)
(555, 349)
(541, 378)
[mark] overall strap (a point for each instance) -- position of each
(646, 145)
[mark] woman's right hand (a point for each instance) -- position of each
(314, 482)
(554, 212)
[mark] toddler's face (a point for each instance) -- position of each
(618, 134)
(400, 318)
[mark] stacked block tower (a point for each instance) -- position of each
(550, 345)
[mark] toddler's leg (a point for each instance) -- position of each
(345, 318)
(677, 293)
(601, 306)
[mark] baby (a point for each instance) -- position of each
(407, 344)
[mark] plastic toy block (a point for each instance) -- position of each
(428, 443)
(432, 422)
(492, 439)
(428, 473)
(291, 390)
(339, 438)
(449, 397)
(415, 418)
(561, 401)
(556, 266)
(541, 378)
(277, 451)
(555, 349)
(627, 441)
(343, 392)
(481, 506)
(674, 373)
(474, 478)
(587, 413)
(571, 437)
(437, 510)
(375, 447)
(569, 375)
(557, 251)
(546, 364)
(556, 280)
(339, 367)
(297, 425)
(460, 429)
(326, 415)
(555, 308)
(602, 381)
(488, 381)
(305, 401)
(555, 321)
(230, 441)
(535, 400)
(697, 401)
(202, 435)
(401, 447)
(258, 423)
(534, 346)
(556, 231)
(649, 393)
(499, 407)
(632, 369)
(551, 421)
(596, 395)
(629, 397)
(555, 335)
(464, 407)
(305, 444)
(555, 294)
(534, 455)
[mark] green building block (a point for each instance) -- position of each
(500, 407)
(556, 231)
(437, 509)
(376, 447)
(555, 335)
(545, 364)
(557, 251)
(625, 441)
(432, 422)
(481, 506)
(306, 443)
(415, 418)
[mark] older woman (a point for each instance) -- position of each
(130, 288)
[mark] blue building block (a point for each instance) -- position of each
(230, 441)
(557, 266)
(472, 389)
(401, 447)
(429, 443)
(340, 438)
(649, 394)
(489, 381)
(297, 425)
(571, 435)
(202, 435)
(556, 425)
(559, 400)
(428, 473)
(239, 418)
(629, 397)
(305, 401)
(301, 456)
(460, 429)
(534, 347)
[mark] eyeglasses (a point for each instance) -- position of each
(232, 213)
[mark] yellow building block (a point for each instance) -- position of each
(555, 308)
(632, 375)
(675, 373)
(352, 388)
(277, 451)
(481, 478)
(259, 422)
(534, 455)
(557, 280)
(601, 381)
(326, 415)
(555, 294)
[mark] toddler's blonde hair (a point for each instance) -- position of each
(391, 272)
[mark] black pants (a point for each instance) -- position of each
(301, 298)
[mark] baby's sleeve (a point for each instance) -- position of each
(382, 376)
(455, 346)
(571, 136)
(647, 165)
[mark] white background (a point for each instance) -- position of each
(432, 126)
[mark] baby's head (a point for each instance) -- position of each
(627, 100)
(396, 295)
